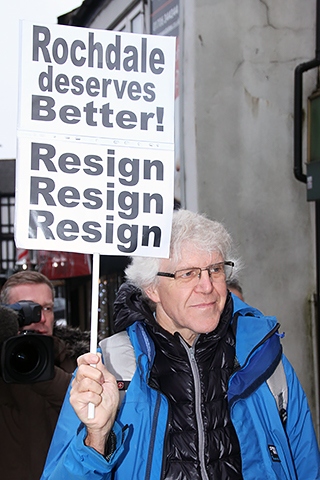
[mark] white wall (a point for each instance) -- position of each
(237, 88)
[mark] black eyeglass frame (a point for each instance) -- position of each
(173, 275)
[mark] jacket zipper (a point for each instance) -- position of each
(199, 420)
(152, 437)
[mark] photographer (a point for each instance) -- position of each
(29, 411)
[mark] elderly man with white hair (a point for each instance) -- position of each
(194, 384)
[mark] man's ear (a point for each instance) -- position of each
(152, 293)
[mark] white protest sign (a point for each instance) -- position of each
(95, 160)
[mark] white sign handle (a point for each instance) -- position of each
(94, 315)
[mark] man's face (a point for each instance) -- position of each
(189, 309)
(39, 293)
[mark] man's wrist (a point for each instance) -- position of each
(96, 440)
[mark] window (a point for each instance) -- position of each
(8, 251)
(133, 21)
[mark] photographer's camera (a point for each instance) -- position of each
(26, 356)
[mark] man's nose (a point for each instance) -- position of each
(205, 283)
(43, 316)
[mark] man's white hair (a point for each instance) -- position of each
(188, 228)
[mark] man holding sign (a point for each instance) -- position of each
(193, 386)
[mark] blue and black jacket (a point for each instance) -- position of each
(269, 449)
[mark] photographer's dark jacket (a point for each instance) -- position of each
(173, 422)
(29, 412)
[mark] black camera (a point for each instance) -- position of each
(26, 357)
(28, 312)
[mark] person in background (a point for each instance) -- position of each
(29, 412)
(234, 287)
(183, 390)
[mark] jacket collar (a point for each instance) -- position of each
(251, 328)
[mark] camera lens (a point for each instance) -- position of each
(24, 357)
(27, 358)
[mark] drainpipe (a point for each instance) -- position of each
(298, 106)
(299, 175)
(298, 116)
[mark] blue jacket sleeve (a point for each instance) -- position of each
(69, 458)
(299, 428)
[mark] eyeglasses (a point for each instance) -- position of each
(217, 272)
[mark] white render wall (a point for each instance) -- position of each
(237, 86)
